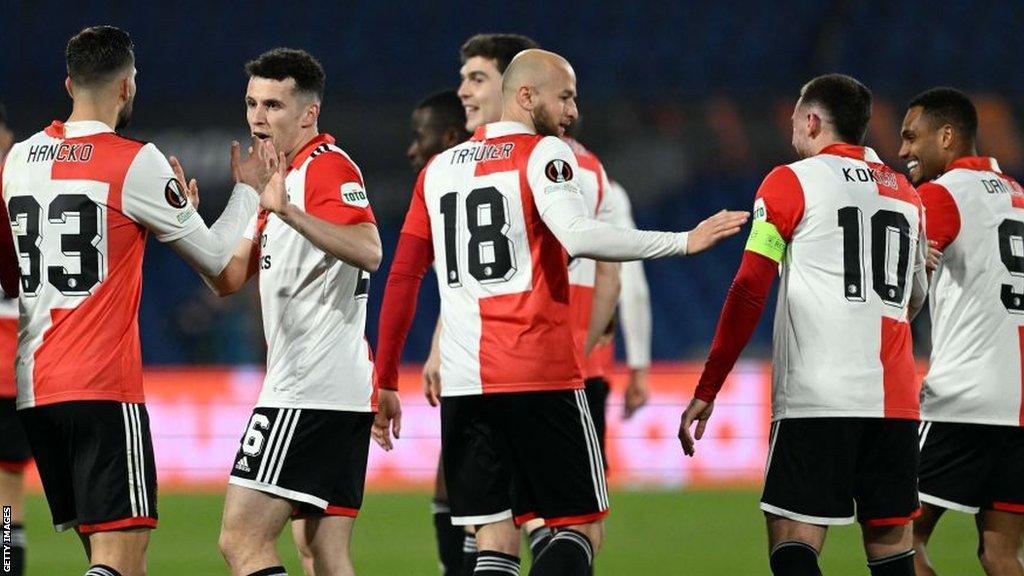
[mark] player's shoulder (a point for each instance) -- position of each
(330, 156)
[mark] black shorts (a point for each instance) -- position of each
(314, 458)
(95, 459)
(15, 454)
(972, 467)
(597, 401)
(829, 471)
(522, 455)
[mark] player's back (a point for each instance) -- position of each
(977, 300)
(842, 340)
(77, 194)
(502, 274)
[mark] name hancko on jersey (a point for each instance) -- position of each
(60, 152)
(483, 153)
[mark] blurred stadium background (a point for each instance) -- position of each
(687, 103)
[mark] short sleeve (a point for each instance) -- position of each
(152, 197)
(941, 216)
(552, 174)
(778, 209)
(335, 191)
(417, 219)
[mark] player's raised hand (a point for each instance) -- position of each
(191, 189)
(432, 378)
(253, 169)
(934, 256)
(700, 411)
(274, 196)
(388, 421)
(718, 227)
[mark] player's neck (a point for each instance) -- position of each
(304, 137)
(90, 110)
(518, 115)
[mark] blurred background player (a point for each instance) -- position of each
(79, 371)
(513, 409)
(438, 123)
(303, 454)
(848, 234)
(14, 451)
(972, 443)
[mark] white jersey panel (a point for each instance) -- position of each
(977, 307)
(828, 324)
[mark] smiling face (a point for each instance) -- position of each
(922, 147)
(480, 91)
(276, 111)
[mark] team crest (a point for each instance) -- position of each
(558, 171)
(174, 194)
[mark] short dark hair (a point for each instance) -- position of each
(501, 48)
(447, 110)
(96, 53)
(946, 105)
(283, 63)
(847, 102)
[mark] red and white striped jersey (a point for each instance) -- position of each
(503, 276)
(976, 213)
(593, 182)
(8, 345)
(314, 305)
(853, 231)
(81, 199)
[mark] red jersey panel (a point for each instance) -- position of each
(80, 200)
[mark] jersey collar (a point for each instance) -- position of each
(982, 163)
(78, 129)
(499, 129)
(308, 148)
(852, 151)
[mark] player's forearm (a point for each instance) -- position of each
(585, 237)
(355, 244)
(209, 250)
(606, 296)
(740, 315)
(635, 315)
(240, 268)
(412, 257)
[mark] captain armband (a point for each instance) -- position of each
(765, 240)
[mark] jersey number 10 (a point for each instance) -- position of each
(889, 230)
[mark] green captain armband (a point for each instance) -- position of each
(766, 240)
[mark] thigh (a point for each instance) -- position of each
(885, 485)
(1000, 533)
(555, 457)
(477, 478)
(808, 476)
(15, 453)
(953, 470)
(254, 514)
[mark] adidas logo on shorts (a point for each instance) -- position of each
(243, 464)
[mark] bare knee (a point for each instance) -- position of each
(594, 532)
(1000, 562)
(237, 545)
(499, 537)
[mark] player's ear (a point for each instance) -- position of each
(946, 136)
(312, 113)
(450, 137)
(524, 97)
(813, 124)
(69, 87)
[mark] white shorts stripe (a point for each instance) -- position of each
(593, 450)
(926, 427)
(269, 447)
(140, 461)
(771, 445)
(948, 504)
(287, 443)
(129, 449)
